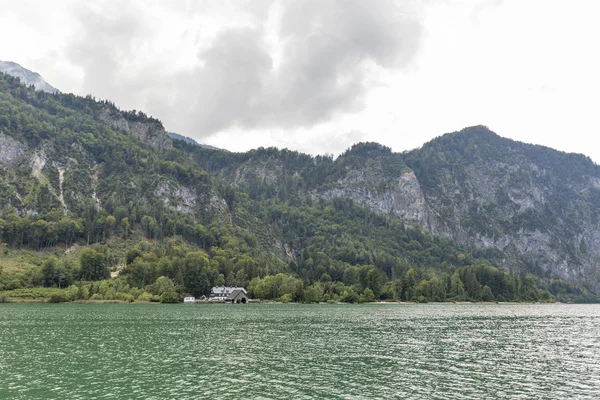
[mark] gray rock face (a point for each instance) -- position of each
(113, 118)
(524, 224)
(269, 171)
(151, 133)
(401, 197)
(539, 207)
(534, 209)
(217, 205)
(12, 152)
(27, 77)
(176, 197)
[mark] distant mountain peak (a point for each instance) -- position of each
(368, 149)
(187, 139)
(27, 77)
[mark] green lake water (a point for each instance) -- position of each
(119, 351)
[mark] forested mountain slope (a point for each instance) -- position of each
(538, 206)
(528, 208)
(87, 189)
(75, 157)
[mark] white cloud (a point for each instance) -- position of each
(319, 76)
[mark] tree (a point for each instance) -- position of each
(367, 296)
(528, 290)
(313, 294)
(50, 272)
(351, 276)
(486, 294)
(2, 225)
(111, 222)
(149, 226)
(350, 296)
(196, 279)
(472, 285)
(140, 273)
(241, 279)
(457, 289)
(424, 290)
(165, 288)
(397, 289)
(170, 296)
(132, 255)
(286, 298)
(125, 227)
(438, 289)
(93, 265)
(68, 230)
(203, 236)
(220, 281)
(374, 280)
(409, 283)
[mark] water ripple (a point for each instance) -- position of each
(300, 351)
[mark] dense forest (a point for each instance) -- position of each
(99, 204)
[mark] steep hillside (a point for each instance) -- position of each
(88, 190)
(368, 173)
(76, 158)
(528, 208)
(538, 206)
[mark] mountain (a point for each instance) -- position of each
(537, 206)
(27, 77)
(74, 155)
(86, 187)
(529, 208)
(177, 136)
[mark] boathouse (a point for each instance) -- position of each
(227, 294)
(237, 296)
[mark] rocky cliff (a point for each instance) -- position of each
(530, 208)
(136, 125)
(537, 206)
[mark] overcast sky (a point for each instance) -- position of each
(320, 75)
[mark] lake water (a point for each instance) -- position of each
(110, 351)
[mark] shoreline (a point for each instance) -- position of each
(28, 300)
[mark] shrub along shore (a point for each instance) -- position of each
(160, 272)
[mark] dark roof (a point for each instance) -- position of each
(188, 295)
(221, 290)
(235, 294)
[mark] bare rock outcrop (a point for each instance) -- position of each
(149, 131)
(12, 152)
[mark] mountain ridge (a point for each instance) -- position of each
(74, 170)
(177, 136)
(517, 181)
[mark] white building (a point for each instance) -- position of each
(226, 293)
(189, 298)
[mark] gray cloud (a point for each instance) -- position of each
(106, 48)
(328, 50)
(329, 45)
(228, 88)
(334, 142)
